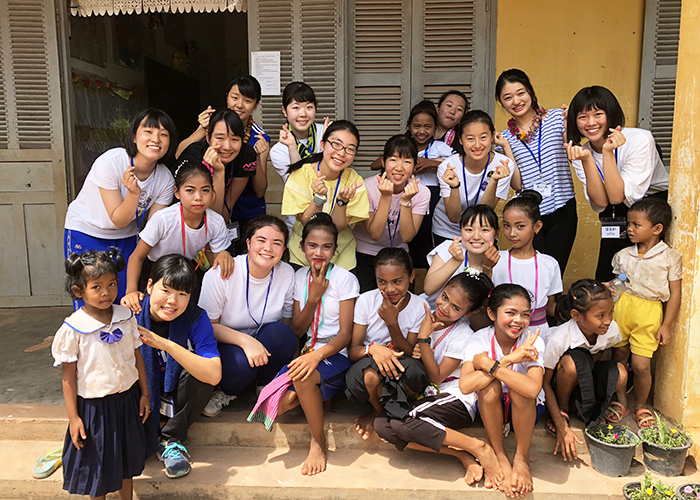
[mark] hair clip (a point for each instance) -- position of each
(179, 167)
(211, 170)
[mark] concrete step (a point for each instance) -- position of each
(223, 472)
(230, 428)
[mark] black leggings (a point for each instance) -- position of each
(558, 233)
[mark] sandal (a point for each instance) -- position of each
(644, 418)
(615, 413)
(551, 428)
(48, 463)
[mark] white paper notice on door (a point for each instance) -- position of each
(265, 66)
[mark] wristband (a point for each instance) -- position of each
(367, 348)
(423, 341)
(493, 368)
(341, 203)
(457, 186)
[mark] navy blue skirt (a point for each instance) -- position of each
(116, 447)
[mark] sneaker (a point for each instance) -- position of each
(173, 456)
(216, 403)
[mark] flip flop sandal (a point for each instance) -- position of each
(615, 413)
(644, 418)
(48, 463)
(551, 428)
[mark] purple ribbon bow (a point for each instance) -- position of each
(111, 337)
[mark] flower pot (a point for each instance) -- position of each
(612, 459)
(667, 462)
(683, 495)
(631, 486)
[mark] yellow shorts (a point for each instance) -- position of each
(639, 321)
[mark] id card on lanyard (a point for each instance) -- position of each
(611, 228)
(232, 227)
(142, 219)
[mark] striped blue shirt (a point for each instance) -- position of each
(555, 170)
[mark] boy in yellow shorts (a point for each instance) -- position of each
(654, 276)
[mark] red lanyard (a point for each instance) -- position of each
(184, 239)
(537, 274)
(443, 336)
(493, 356)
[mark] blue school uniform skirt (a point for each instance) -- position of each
(332, 371)
(116, 447)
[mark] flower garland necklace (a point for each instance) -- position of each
(526, 137)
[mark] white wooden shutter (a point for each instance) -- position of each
(32, 160)
(658, 80)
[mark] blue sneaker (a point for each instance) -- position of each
(173, 456)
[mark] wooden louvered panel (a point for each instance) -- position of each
(318, 53)
(377, 112)
(448, 35)
(3, 101)
(434, 92)
(663, 96)
(668, 31)
(378, 36)
(30, 73)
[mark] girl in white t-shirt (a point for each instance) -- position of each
(474, 175)
(573, 358)
(433, 422)
(396, 192)
(123, 189)
(503, 365)
(522, 264)
(384, 334)
(185, 228)
(618, 166)
(324, 300)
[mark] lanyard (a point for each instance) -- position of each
(478, 188)
(425, 151)
(318, 169)
(319, 316)
(600, 170)
(184, 239)
(392, 237)
(267, 295)
(539, 149)
(537, 274)
(140, 218)
(230, 180)
(305, 150)
(444, 335)
(493, 356)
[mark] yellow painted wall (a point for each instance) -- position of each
(563, 49)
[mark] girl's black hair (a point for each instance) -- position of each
(528, 202)
(582, 295)
(188, 169)
(401, 145)
(91, 265)
(475, 287)
(473, 116)
(152, 118)
(516, 76)
(299, 92)
(233, 122)
(248, 86)
(482, 213)
(395, 256)
(265, 220)
(320, 220)
(458, 93)
(176, 271)
(333, 127)
(426, 107)
(594, 97)
(506, 291)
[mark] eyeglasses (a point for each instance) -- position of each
(338, 146)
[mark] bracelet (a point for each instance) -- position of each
(423, 341)
(145, 395)
(367, 348)
(493, 368)
(457, 186)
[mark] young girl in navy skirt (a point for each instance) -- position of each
(104, 382)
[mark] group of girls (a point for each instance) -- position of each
(345, 294)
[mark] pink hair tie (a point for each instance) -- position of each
(211, 170)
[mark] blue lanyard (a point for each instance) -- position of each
(267, 295)
(478, 188)
(148, 204)
(392, 237)
(600, 171)
(318, 169)
(539, 148)
(425, 151)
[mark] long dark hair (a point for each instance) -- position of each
(333, 127)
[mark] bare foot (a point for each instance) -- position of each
(364, 425)
(493, 475)
(315, 462)
(521, 480)
(474, 473)
(506, 471)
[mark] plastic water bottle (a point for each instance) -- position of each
(618, 284)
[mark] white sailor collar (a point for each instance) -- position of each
(82, 322)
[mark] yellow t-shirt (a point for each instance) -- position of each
(298, 195)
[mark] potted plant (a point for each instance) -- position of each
(612, 449)
(689, 491)
(646, 489)
(665, 447)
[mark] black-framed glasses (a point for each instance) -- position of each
(339, 146)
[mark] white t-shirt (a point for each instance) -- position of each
(569, 336)
(639, 165)
(443, 251)
(342, 285)
(481, 342)
(226, 299)
(454, 345)
(472, 184)
(279, 154)
(87, 213)
(435, 150)
(164, 234)
(366, 313)
(523, 273)
(420, 204)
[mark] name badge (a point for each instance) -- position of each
(167, 407)
(543, 188)
(613, 228)
(232, 228)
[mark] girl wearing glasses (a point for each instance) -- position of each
(323, 182)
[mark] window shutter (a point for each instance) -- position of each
(659, 61)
